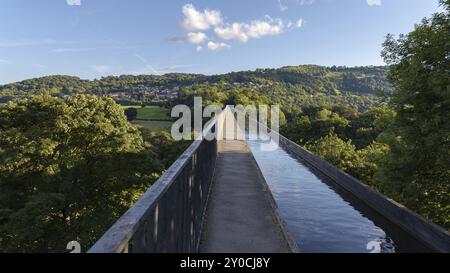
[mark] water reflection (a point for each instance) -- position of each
(320, 216)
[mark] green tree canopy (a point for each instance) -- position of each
(131, 113)
(417, 169)
(68, 169)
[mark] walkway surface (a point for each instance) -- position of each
(239, 216)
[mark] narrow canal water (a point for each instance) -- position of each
(321, 216)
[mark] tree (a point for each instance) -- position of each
(368, 162)
(131, 113)
(68, 169)
(366, 127)
(417, 169)
(336, 151)
(317, 123)
(166, 149)
(362, 164)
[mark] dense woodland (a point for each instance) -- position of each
(70, 167)
(294, 85)
(71, 163)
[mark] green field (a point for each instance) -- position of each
(150, 112)
(152, 117)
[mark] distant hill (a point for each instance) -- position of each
(364, 80)
(312, 79)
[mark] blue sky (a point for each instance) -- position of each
(95, 38)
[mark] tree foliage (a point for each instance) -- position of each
(291, 86)
(68, 169)
(131, 113)
(417, 168)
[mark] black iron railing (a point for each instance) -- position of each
(169, 216)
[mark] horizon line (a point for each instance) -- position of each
(189, 73)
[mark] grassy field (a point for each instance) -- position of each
(150, 112)
(152, 117)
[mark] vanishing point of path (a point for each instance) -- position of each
(239, 216)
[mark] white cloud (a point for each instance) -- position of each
(196, 37)
(234, 31)
(374, 2)
(100, 68)
(297, 24)
(197, 23)
(198, 20)
(281, 6)
(191, 37)
(3, 61)
(73, 2)
(255, 29)
(217, 46)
